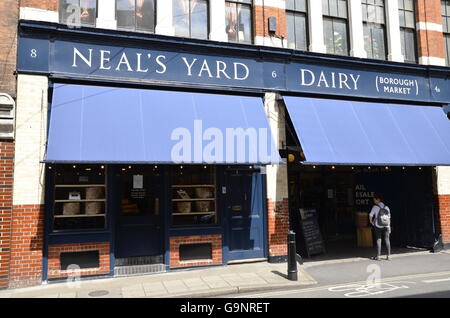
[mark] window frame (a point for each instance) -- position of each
(404, 29)
(296, 12)
(333, 18)
(61, 16)
(376, 25)
(242, 3)
(155, 4)
(208, 22)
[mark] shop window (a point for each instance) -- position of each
(136, 15)
(190, 18)
(79, 197)
(238, 15)
(335, 26)
(445, 8)
(194, 195)
(407, 17)
(296, 24)
(140, 194)
(78, 12)
(374, 28)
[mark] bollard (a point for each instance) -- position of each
(292, 260)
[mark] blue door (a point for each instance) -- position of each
(244, 215)
(138, 218)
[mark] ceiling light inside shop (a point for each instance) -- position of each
(74, 167)
(103, 167)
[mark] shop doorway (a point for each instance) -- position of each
(244, 215)
(340, 195)
(138, 198)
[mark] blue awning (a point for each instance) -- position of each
(362, 133)
(123, 125)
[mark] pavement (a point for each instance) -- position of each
(196, 283)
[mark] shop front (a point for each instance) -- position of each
(162, 153)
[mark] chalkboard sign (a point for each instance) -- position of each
(311, 232)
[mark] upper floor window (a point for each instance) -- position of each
(136, 15)
(238, 20)
(190, 18)
(445, 8)
(296, 24)
(374, 28)
(78, 12)
(408, 29)
(335, 26)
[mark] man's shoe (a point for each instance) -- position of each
(375, 258)
(388, 258)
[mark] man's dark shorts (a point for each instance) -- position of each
(381, 232)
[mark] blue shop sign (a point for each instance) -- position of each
(152, 63)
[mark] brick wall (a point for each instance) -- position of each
(6, 184)
(26, 245)
(9, 13)
(430, 39)
(51, 5)
(444, 217)
(278, 226)
(175, 242)
(261, 21)
(54, 259)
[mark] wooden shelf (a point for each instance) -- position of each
(81, 201)
(193, 186)
(195, 213)
(79, 185)
(196, 199)
(78, 216)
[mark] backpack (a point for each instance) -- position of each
(383, 217)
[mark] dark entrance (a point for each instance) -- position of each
(138, 217)
(339, 193)
(244, 215)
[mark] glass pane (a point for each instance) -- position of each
(364, 12)
(340, 37)
(290, 5)
(300, 5)
(371, 14)
(181, 17)
(342, 8)
(447, 49)
(88, 11)
(411, 47)
(328, 34)
(368, 41)
(378, 43)
(334, 8)
(401, 16)
(231, 21)
(125, 14)
(380, 15)
(300, 32)
(290, 30)
(145, 15)
(443, 5)
(409, 19)
(245, 24)
(444, 24)
(409, 5)
(325, 7)
(400, 4)
(199, 19)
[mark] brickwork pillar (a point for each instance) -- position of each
(430, 39)
(277, 184)
(443, 196)
(262, 11)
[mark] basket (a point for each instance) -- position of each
(202, 206)
(93, 208)
(72, 208)
(184, 207)
(95, 193)
(203, 193)
(361, 219)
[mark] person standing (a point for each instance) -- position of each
(380, 218)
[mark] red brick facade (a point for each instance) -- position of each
(9, 15)
(51, 5)
(27, 240)
(444, 217)
(54, 259)
(6, 192)
(261, 21)
(430, 42)
(278, 226)
(175, 242)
